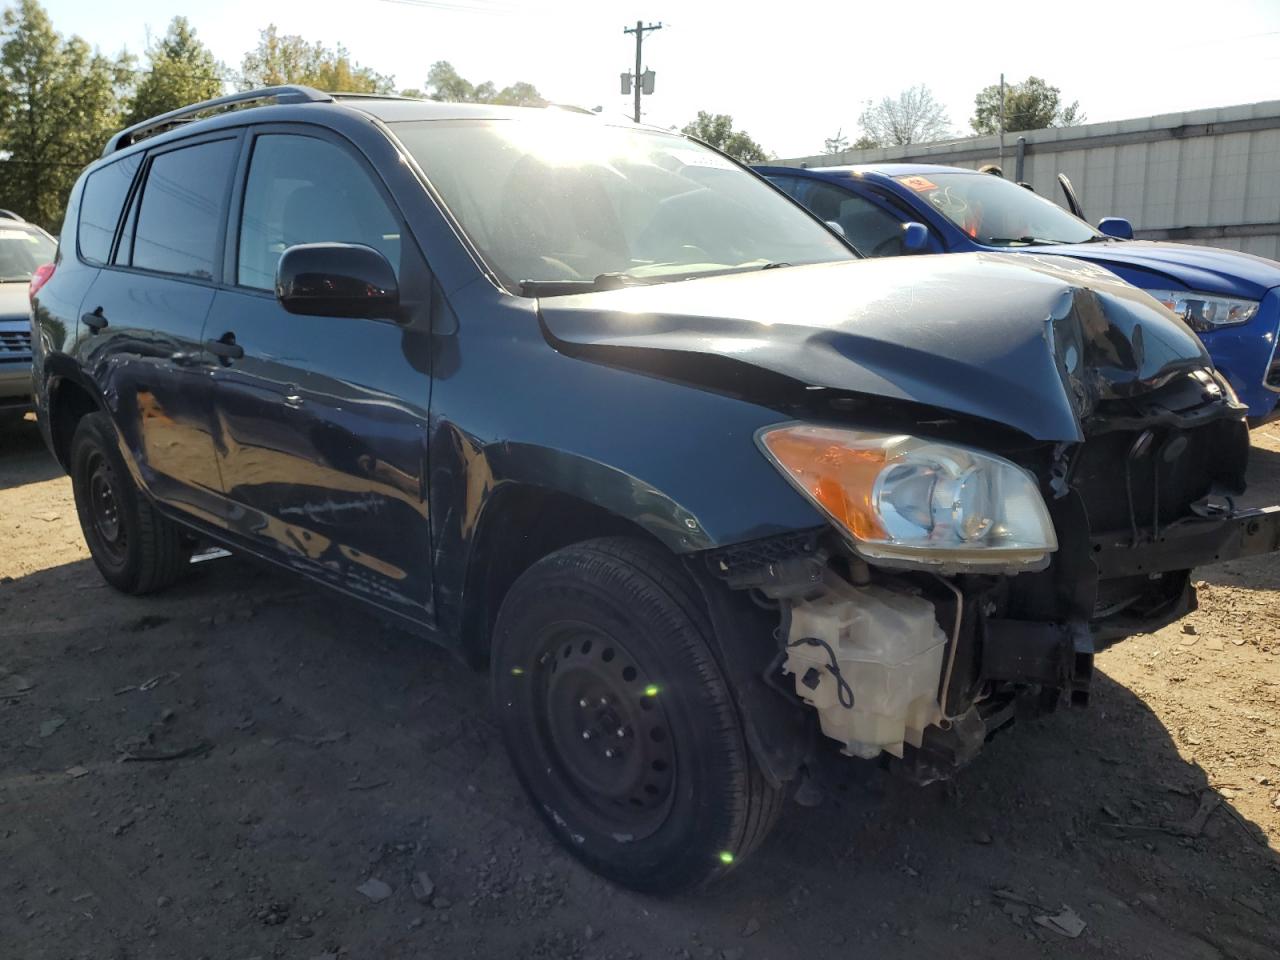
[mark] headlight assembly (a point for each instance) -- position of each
(1206, 311)
(916, 502)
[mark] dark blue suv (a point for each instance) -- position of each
(1231, 299)
(594, 406)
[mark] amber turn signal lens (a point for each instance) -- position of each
(838, 478)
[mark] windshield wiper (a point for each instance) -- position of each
(775, 266)
(1027, 240)
(561, 288)
(1102, 238)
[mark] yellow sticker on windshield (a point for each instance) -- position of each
(918, 184)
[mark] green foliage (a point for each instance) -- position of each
(181, 71)
(717, 130)
(291, 59)
(913, 116)
(59, 102)
(1030, 105)
(444, 83)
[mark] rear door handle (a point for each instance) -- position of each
(95, 321)
(225, 347)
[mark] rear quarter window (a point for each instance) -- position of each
(100, 205)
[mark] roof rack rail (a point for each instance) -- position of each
(358, 95)
(288, 93)
(10, 215)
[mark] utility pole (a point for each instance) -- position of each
(640, 30)
(1002, 123)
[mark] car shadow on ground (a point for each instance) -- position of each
(23, 456)
(308, 748)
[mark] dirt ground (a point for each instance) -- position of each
(314, 750)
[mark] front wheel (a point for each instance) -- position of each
(619, 721)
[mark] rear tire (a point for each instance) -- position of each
(134, 548)
(618, 719)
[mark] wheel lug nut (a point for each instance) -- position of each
(621, 732)
(586, 734)
(604, 701)
(583, 702)
(609, 754)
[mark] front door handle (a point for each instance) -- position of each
(95, 321)
(225, 347)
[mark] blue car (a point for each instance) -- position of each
(1232, 300)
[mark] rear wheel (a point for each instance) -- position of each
(618, 719)
(135, 548)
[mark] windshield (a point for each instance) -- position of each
(21, 251)
(569, 200)
(997, 212)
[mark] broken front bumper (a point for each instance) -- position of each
(1189, 543)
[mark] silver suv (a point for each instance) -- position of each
(24, 248)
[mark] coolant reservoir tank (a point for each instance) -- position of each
(889, 650)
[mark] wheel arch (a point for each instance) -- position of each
(69, 400)
(520, 524)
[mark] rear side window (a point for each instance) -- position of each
(100, 206)
(306, 190)
(181, 213)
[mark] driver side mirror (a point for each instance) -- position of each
(337, 280)
(1116, 227)
(915, 237)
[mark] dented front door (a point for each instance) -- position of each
(321, 422)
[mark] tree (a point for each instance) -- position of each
(717, 130)
(181, 71)
(1030, 105)
(59, 102)
(291, 59)
(444, 83)
(914, 116)
(837, 144)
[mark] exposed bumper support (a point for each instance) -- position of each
(1189, 543)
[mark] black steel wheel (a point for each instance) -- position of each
(619, 722)
(135, 548)
(103, 507)
(603, 724)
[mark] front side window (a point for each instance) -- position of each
(306, 190)
(871, 229)
(100, 205)
(997, 212)
(22, 249)
(181, 212)
(568, 199)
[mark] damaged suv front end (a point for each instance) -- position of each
(1027, 477)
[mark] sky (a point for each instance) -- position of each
(791, 75)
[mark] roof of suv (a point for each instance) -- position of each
(390, 109)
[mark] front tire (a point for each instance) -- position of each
(619, 721)
(134, 548)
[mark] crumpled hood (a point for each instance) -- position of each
(1206, 269)
(1032, 342)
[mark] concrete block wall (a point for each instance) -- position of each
(1209, 177)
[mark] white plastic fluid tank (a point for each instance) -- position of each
(889, 648)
